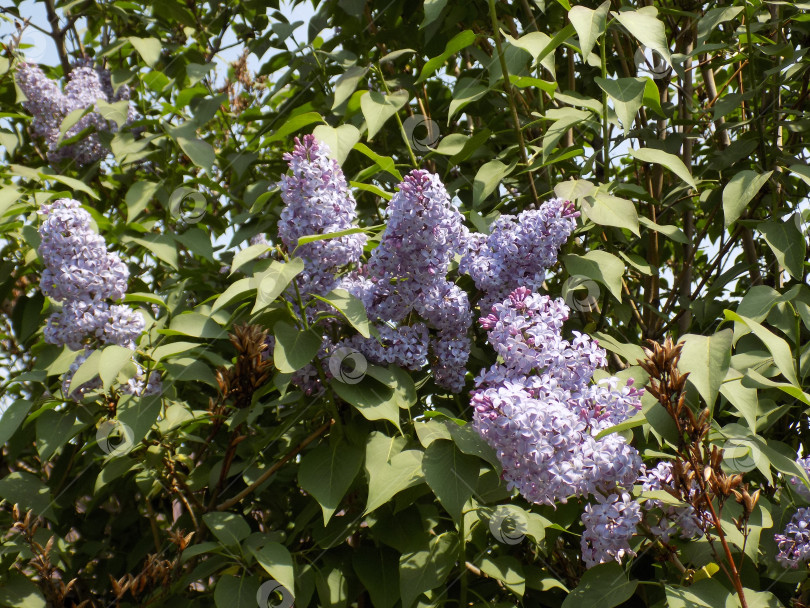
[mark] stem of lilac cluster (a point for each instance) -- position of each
(510, 96)
(414, 162)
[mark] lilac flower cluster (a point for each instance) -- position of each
(541, 415)
(609, 526)
(669, 518)
(408, 273)
(50, 106)
(518, 250)
(83, 275)
(794, 543)
(317, 200)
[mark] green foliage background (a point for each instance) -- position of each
(693, 228)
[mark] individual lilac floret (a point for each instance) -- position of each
(317, 200)
(609, 526)
(794, 543)
(49, 106)
(798, 485)
(667, 519)
(518, 249)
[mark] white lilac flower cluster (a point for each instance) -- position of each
(518, 250)
(82, 275)
(794, 542)
(540, 413)
(49, 106)
(666, 518)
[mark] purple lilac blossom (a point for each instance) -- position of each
(667, 519)
(406, 346)
(83, 275)
(317, 200)
(794, 543)
(609, 526)
(798, 485)
(540, 413)
(50, 106)
(518, 250)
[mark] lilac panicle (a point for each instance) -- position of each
(798, 485)
(49, 106)
(518, 249)
(317, 200)
(667, 519)
(609, 526)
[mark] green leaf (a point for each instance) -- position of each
(788, 244)
(564, 119)
(18, 591)
(71, 182)
(433, 9)
(470, 442)
(607, 210)
(198, 242)
(378, 108)
(116, 112)
(454, 45)
(276, 560)
(236, 591)
(507, 569)
(340, 140)
(200, 152)
(162, 246)
(347, 83)
(71, 119)
(138, 196)
(466, 91)
(652, 97)
(113, 359)
(672, 232)
(12, 418)
(389, 469)
(705, 593)
(451, 475)
(295, 348)
(422, 571)
(739, 191)
(706, 359)
(713, 18)
(139, 414)
(351, 308)
(488, 178)
(644, 24)
(54, 430)
(541, 47)
(86, 372)
(271, 282)
(670, 161)
(744, 400)
(148, 48)
(27, 491)
(763, 382)
(195, 325)
(600, 266)
(327, 472)
(294, 124)
(779, 349)
(378, 571)
(372, 399)
(386, 163)
(631, 423)
(229, 528)
(589, 24)
(627, 95)
(248, 254)
(430, 431)
(603, 586)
